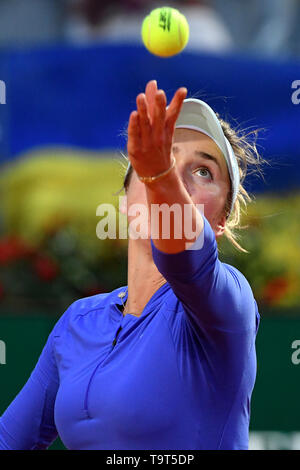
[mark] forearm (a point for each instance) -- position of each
(28, 422)
(187, 220)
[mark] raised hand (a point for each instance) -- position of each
(151, 130)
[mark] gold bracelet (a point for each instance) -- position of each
(149, 179)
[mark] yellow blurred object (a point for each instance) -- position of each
(278, 219)
(271, 235)
(44, 190)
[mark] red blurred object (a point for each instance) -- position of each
(46, 268)
(95, 290)
(275, 290)
(12, 249)
(2, 293)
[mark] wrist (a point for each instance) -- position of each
(167, 183)
(159, 176)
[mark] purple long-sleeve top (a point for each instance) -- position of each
(178, 377)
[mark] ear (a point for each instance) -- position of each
(123, 205)
(220, 227)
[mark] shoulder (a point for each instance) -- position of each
(240, 281)
(243, 294)
(83, 307)
(238, 277)
(87, 304)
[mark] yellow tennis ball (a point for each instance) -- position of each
(165, 31)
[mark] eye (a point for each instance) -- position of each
(203, 172)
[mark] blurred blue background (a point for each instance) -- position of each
(82, 97)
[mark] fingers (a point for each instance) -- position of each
(134, 134)
(153, 123)
(159, 117)
(155, 129)
(144, 119)
(150, 92)
(174, 109)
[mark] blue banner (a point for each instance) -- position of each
(82, 97)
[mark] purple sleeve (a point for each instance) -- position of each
(28, 422)
(214, 294)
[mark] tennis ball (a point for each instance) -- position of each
(165, 31)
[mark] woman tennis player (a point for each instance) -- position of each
(167, 362)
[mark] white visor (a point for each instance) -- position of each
(197, 115)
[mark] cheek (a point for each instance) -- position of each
(213, 198)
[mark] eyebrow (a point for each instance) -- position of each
(204, 155)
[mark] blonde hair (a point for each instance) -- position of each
(244, 146)
(249, 161)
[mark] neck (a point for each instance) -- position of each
(144, 279)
